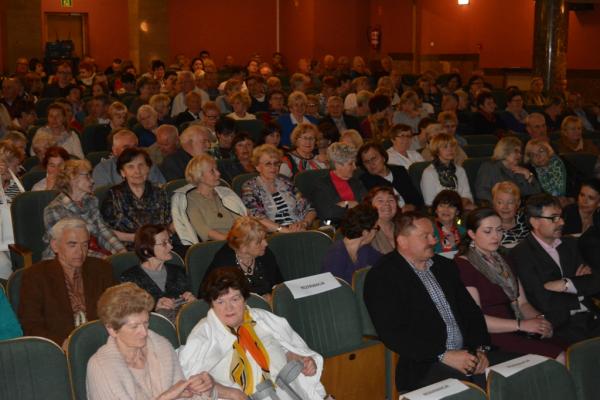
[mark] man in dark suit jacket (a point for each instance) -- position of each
(194, 140)
(422, 311)
(60, 294)
(553, 273)
(336, 116)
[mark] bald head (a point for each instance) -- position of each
(167, 139)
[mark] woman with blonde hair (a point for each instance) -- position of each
(302, 157)
(297, 102)
(409, 111)
(352, 137)
(506, 201)
(240, 101)
(571, 138)
(549, 169)
(505, 166)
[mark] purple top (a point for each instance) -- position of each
(338, 261)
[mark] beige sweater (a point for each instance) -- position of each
(109, 378)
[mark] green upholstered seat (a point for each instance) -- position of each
(583, 361)
(479, 150)
(33, 368)
(238, 182)
(189, 315)
(299, 254)
(306, 181)
(415, 171)
(548, 380)
(96, 156)
(481, 139)
(101, 192)
(85, 340)
(173, 185)
(123, 261)
(197, 260)
(471, 166)
(27, 212)
(358, 284)
(31, 178)
(254, 128)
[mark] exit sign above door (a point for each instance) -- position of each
(66, 3)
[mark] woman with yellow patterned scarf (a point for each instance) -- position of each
(243, 347)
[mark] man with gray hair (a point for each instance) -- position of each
(167, 143)
(194, 140)
(60, 294)
(186, 82)
(535, 124)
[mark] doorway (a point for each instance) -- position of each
(68, 26)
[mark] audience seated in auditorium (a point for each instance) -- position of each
(553, 273)
(351, 101)
(26, 117)
(57, 126)
(572, 140)
(297, 102)
(589, 243)
(53, 162)
(230, 87)
(186, 83)
(485, 120)
(61, 83)
(162, 105)
(449, 122)
(257, 89)
(354, 250)
(434, 319)
(240, 102)
(276, 103)
(385, 201)
(203, 210)
(535, 96)
(578, 216)
(106, 173)
(377, 124)
(113, 370)
(147, 124)
(352, 138)
(271, 343)
(338, 190)
(194, 141)
(242, 146)
(274, 199)
(99, 138)
(506, 201)
(302, 156)
(379, 172)
(535, 125)
(575, 108)
(60, 294)
(409, 110)
(400, 153)
(97, 111)
(505, 165)
(447, 209)
(513, 323)
(337, 116)
(443, 173)
(514, 117)
(193, 109)
(433, 130)
(271, 134)
(548, 168)
(553, 112)
(246, 248)
(167, 142)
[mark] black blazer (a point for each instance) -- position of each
(325, 198)
(535, 267)
(350, 121)
(589, 245)
(177, 281)
(401, 182)
(407, 320)
(173, 166)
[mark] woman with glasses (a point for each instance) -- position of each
(549, 169)
(167, 283)
(273, 199)
(297, 102)
(354, 251)
(400, 154)
(302, 157)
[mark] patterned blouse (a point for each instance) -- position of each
(123, 211)
(553, 177)
(511, 237)
(62, 206)
(260, 202)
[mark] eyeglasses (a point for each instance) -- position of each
(371, 160)
(553, 218)
(275, 164)
(307, 138)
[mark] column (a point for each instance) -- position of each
(148, 32)
(550, 40)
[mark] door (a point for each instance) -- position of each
(68, 26)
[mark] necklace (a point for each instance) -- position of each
(247, 267)
(216, 201)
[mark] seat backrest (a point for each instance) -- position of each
(548, 380)
(479, 150)
(27, 211)
(481, 139)
(306, 181)
(13, 288)
(101, 193)
(33, 368)
(253, 127)
(299, 254)
(123, 261)
(197, 260)
(471, 166)
(31, 178)
(329, 322)
(238, 181)
(41, 107)
(96, 156)
(358, 284)
(85, 340)
(191, 313)
(584, 163)
(29, 163)
(582, 362)
(415, 171)
(173, 185)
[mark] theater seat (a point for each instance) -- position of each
(32, 177)
(471, 166)
(33, 368)
(197, 259)
(415, 171)
(299, 254)
(85, 340)
(479, 150)
(123, 261)
(305, 181)
(238, 181)
(481, 139)
(96, 156)
(583, 362)
(253, 127)
(13, 288)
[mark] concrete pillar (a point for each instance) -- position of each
(148, 32)
(550, 36)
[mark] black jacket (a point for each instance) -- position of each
(401, 182)
(325, 198)
(177, 281)
(173, 166)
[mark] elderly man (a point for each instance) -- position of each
(422, 311)
(105, 173)
(194, 140)
(553, 273)
(186, 83)
(167, 141)
(10, 97)
(193, 111)
(60, 294)
(62, 84)
(337, 116)
(535, 125)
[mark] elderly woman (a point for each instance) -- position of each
(146, 129)
(400, 154)
(53, 161)
(385, 202)
(485, 120)
(373, 158)
(339, 190)
(447, 208)
(242, 146)
(549, 169)
(571, 139)
(410, 112)
(136, 201)
(302, 157)
(167, 283)
(352, 137)
(443, 173)
(505, 166)
(377, 124)
(161, 103)
(354, 251)
(297, 105)
(506, 200)
(246, 248)
(449, 122)
(202, 210)
(242, 346)
(41, 143)
(76, 199)
(240, 101)
(135, 362)
(495, 288)
(274, 199)
(57, 126)
(578, 217)
(535, 96)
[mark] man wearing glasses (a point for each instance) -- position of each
(553, 274)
